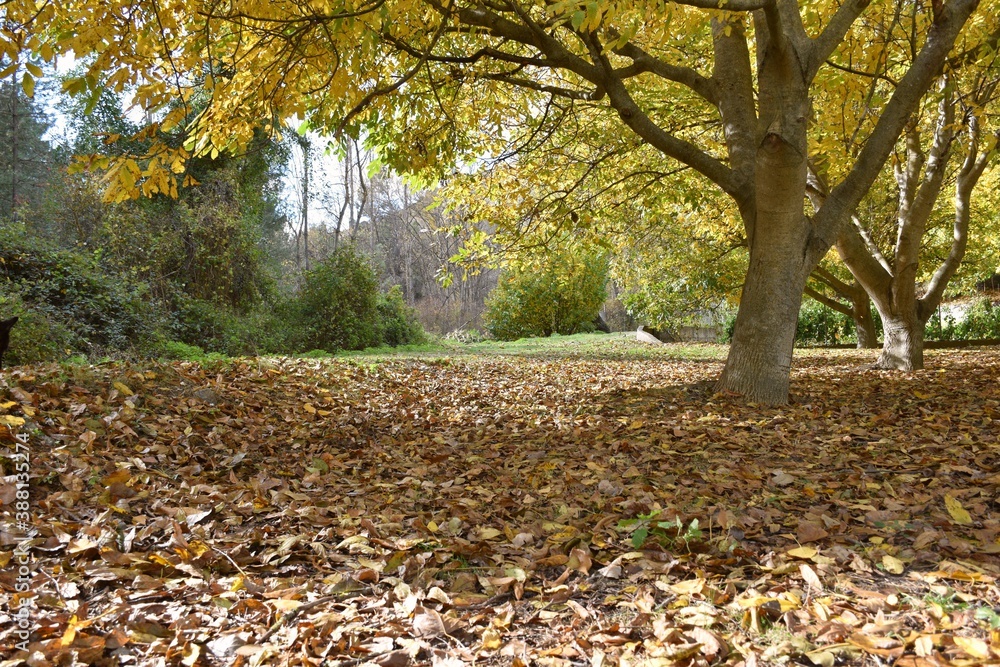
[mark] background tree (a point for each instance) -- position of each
(438, 83)
(26, 159)
(947, 141)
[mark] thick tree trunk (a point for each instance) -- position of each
(903, 345)
(760, 356)
(761, 352)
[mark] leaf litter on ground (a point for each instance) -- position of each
(501, 510)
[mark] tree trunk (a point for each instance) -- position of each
(903, 345)
(864, 323)
(760, 356)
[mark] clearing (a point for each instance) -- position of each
(583, 500)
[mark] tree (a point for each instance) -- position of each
(893, 232)
(436, 83)
(847, 298)
(26, 158)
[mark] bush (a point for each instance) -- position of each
(561, 292)
(397, 322)
(36, 337)
(821, 325)
(338, 307)
(176, 350)
(203, 324)
(817, 325)
(982, 321)
(65, 293)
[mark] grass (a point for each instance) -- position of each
(621, 346)
(578, 346)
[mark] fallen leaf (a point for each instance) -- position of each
(957, 512)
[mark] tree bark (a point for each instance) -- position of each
(903, 346)
(760, 356)
(864, 323)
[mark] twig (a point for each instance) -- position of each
(230, 559)
(292, 615)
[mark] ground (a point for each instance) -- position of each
(577, 501)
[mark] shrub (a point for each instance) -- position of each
(66, 292)
(36, 337)
(337, 308)
(982, 321)
(817, 325)
(821, 325)
(397, 322)
(176, 350)
(561, 292)
(218, 328)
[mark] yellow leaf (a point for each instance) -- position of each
(309, 408)
(432, 526)
(191, 654)
(805, 553)
(893, 564)
(11, 420)
(28, 84)
(488, 533)
(975, 647)
(285, 605)
(754, 601)
(924, 646)
(689, 587)
(123, 388)
(7, 405)
(957, 512)
(491, 639)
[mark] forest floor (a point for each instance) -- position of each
(581, 501)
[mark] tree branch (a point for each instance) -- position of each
(556, 54)
(924, 68)
(827, 301)
(682, 151)
(728, 5)
(644, 62)
(968, 176)
(585, 95)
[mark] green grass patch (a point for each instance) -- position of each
(578, 346)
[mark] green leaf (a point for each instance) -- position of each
(28, 84)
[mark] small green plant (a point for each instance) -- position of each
(948, 601)
(645, 527)
(988, 616)
(316, 354)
